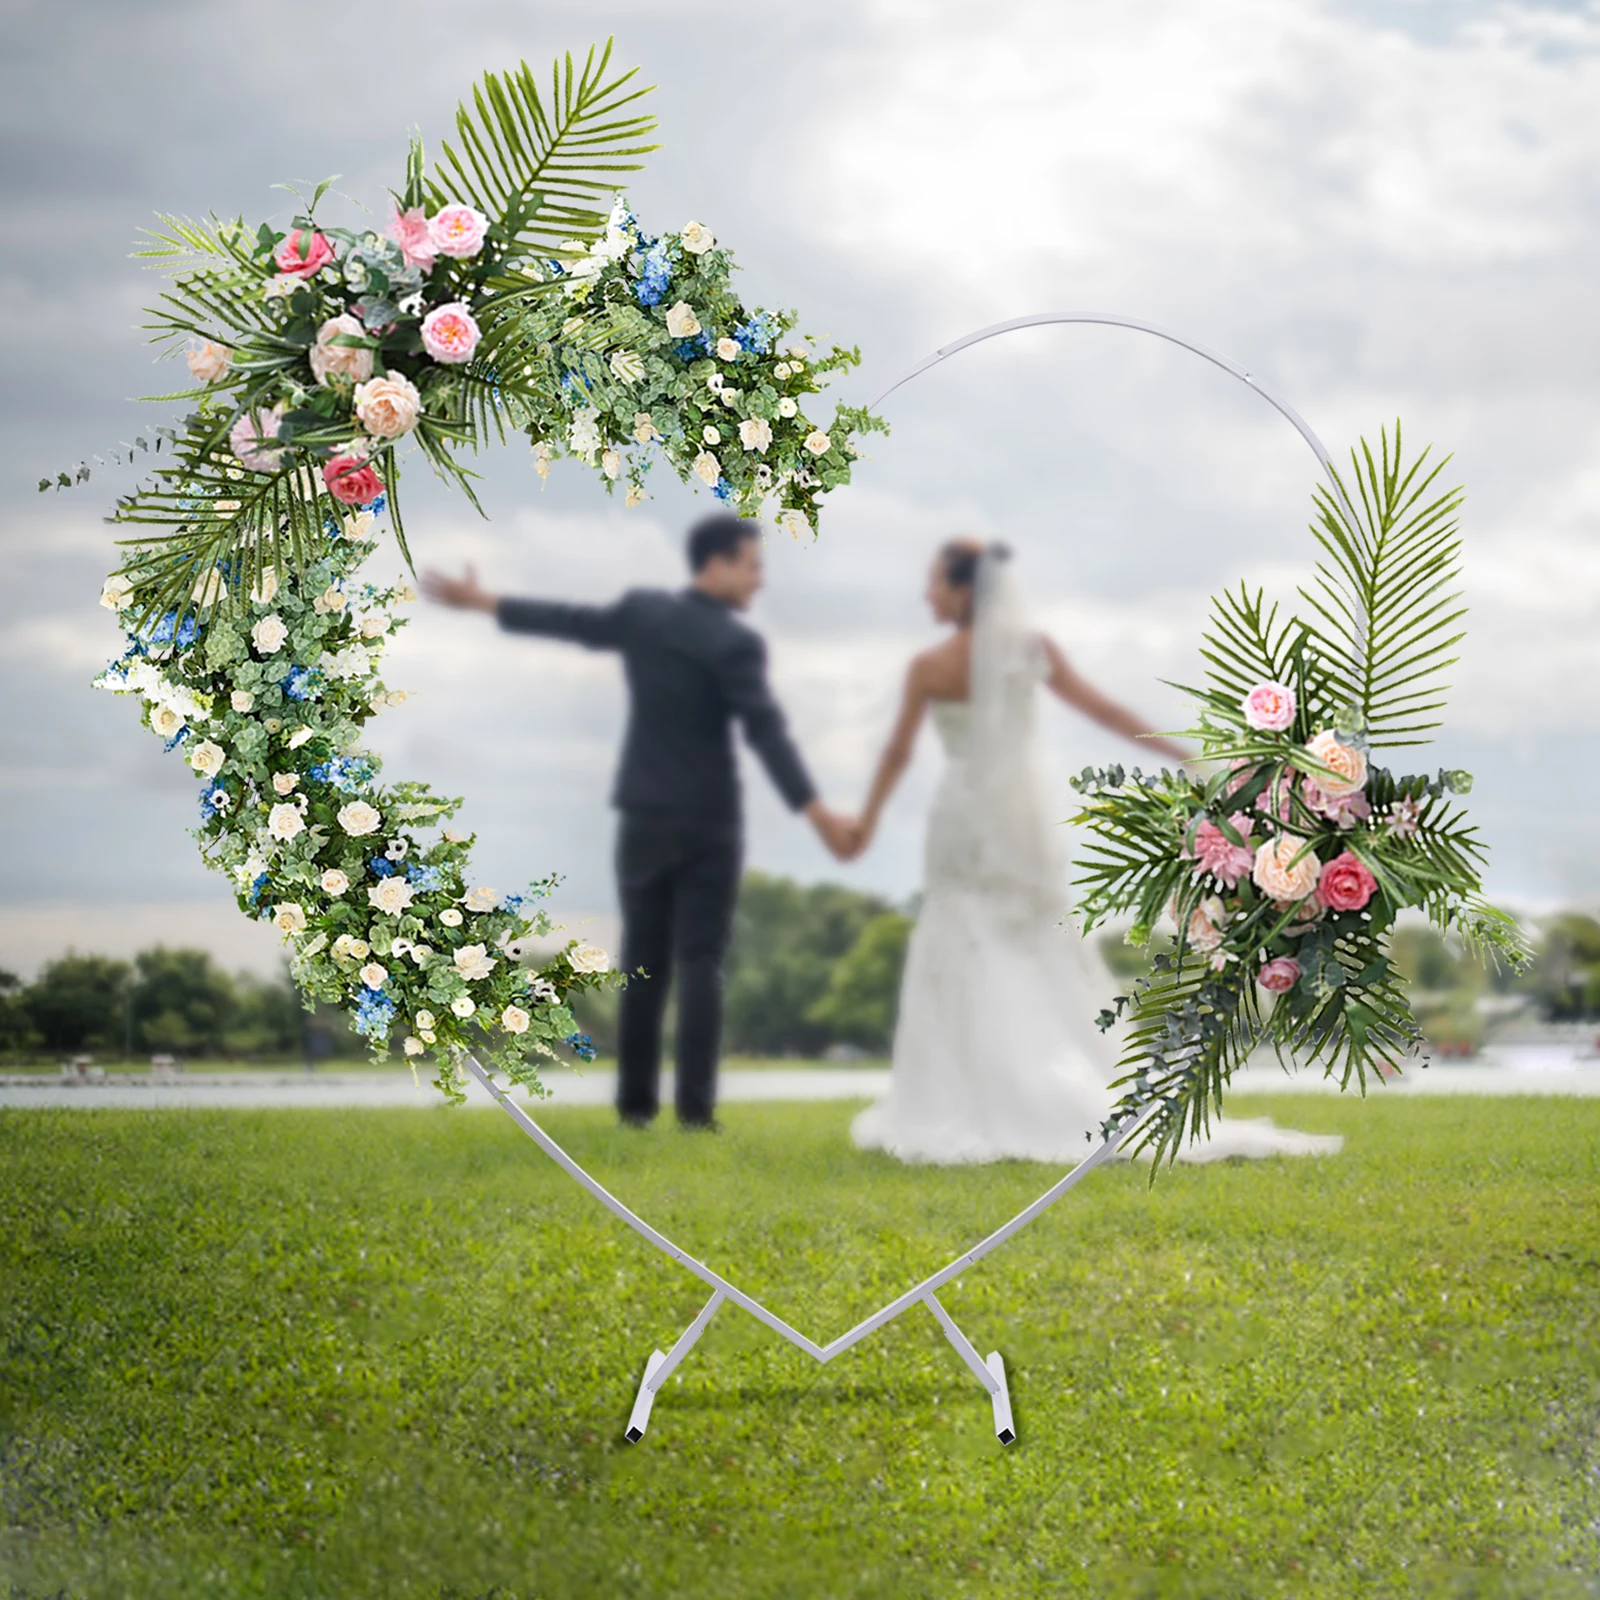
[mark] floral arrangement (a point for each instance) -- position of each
(1285, 869)
(498, 300)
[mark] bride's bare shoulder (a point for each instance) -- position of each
(941, 671)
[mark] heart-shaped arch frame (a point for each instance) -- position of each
(989, 1370)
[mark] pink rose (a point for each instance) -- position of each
(300, 254)
(353, 361)
(1345, 884)
(1345, 809)
(1215, 853)
(458, 231)
(449, 334)
(1279, 975)
(351, 481)
(248, 440)
(1205, 924)
(1269, 706)
(409, 230)
(1349, 766)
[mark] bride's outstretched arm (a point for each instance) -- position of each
(1083, 696)
(896, 753)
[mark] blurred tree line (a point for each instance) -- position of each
(163, 1002)
(811, 967)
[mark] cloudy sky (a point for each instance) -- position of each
(1381, 208)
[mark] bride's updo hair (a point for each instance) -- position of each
(960, 559)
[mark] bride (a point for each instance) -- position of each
(996, 1051)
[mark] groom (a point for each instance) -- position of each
(693, 669)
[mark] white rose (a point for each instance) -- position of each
(329, 600)
(284, 821)
(627, 366)
(358, 526)
(413, 1046)
(450, 917)
(697, 239)
(374, 975)
(348, 945)
(455, 836)
(473, 961)
(209, 589)
(464, 1007)
(781, 370)
(424, 1020)
(422, 954)
(586, 957)
(755, 433)
(610, 463)
(405, 595)
(707, 468)
(301, 736)
(334, 882)
(817, 442)
(794, 523)
(788, 407)
(710, 435)
(482, 899)
(115, 592)
(241, 700)
(358, 818)
(265, 587)
(391, 896)
(728, 349)
(285, 782)
(165, 721)
(514, 1019)
(682, 322)
(289, 918)
(269, 634)
(644, 430)
(206, 758)
(634, 496)
(374, 625)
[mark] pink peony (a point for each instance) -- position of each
(1279, 975)
(1346, 809)
(247, 439)
(1269, 707)
(1345, 884)
(1349, 766)
(352, 361)
(300, 254)
(449, 334)
(409, 230)
(351, 481)
(1215, 853)
(458, 231)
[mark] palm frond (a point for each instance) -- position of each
(1385, 598)
(544, 165)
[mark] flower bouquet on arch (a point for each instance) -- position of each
(1285, 868)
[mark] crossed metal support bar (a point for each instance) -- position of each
(990, 1370)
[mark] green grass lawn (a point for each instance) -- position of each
(287, 1353)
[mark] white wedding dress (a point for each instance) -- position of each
(996, 1052)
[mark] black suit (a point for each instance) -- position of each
(693, 669)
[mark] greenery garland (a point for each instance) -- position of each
(1286, 868)
(499, 301)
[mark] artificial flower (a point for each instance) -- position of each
(330, 360)
(473, 962)
(358, 818)
(388, 406)
(335, 882)
(289, 917)
(301, 254)
(1279, 874)
(209, 361)
(585, 957)
(391, 895)
(270, 634)
(284, 821)
(1348, 765)
(1269, 707)
(449, 333)
(514, 1019)
(458, 231)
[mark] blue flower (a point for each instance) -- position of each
(512, 903)
(581, 1045)
(209, 804)
(302, 683)
(654, 276)
(259, 883)
(346, 773)
(379, 506)
(721, 490)
(757, 334)
(374, 1012)
(176, 739)
(427, 879)
(381, 867)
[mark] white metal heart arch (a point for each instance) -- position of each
(989, 1371)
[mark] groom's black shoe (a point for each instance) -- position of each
(699, 1125)
(635, 1119)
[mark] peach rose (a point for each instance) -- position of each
(329, 360)
(1205, 924)
(1348, 766)
(388, 406)
(1278, 875)
(209, 362)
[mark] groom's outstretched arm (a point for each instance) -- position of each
(744, 684)
(599, 627)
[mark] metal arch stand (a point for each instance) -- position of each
(989, 1370)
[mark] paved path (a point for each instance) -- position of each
(1516, 1070)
